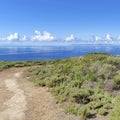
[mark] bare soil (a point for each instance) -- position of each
(21, 100)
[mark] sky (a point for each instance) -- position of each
(48, 20)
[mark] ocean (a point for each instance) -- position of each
(54, 52)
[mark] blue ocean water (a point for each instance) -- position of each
(54, 52)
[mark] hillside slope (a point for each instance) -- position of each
(87, 86)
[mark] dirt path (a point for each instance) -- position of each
(21, 100)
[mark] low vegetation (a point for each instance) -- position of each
(6, 65)
(87, 86)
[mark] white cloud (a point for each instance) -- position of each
(2, 39)
(45, 36)
(37, 32)
(24, 38)
(108, 37)
(70, 38)
(119, 37)
(13, 37)
(97, 38)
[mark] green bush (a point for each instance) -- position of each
(115, 113)
(95, 67)
(101, 111)
(83, 112)
(115, 60)
(81, 96)
(82, 83)
(116, 78)
(107, 71)
(91, 77)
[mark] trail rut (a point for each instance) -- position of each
(21, 100)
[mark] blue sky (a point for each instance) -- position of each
(60, 18)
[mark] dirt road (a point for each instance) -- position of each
(21, 100)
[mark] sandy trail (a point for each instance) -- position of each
(17, 104)
(21, 100)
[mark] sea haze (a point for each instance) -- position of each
(54, 52)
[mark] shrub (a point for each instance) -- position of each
(114, 60)
(80, 82)
(116, 78)
(95, 67)
(40, 83)
(106, 72)
(82, 96)
(115, 113)
(101, 111)
(108, 106)
(83, 112)
(91, 77)
(72, 109)
(77, 82)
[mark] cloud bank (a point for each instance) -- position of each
(108, 37)
(97, 38)
(24, 38)
(70, 38)
(13, 37)
(45, 36)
